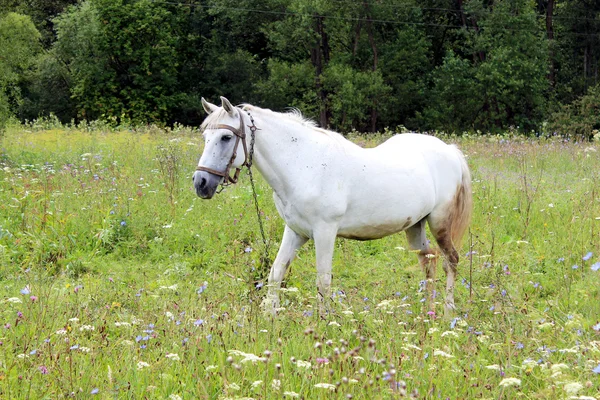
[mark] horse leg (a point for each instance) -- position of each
(290, 243)
(324, 243)
(444, 240)
(417, 241)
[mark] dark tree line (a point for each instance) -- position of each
(451, 65)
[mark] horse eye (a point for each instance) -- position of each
(226, 138)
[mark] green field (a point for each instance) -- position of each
(118, 282)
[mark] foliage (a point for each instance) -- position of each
(18, 47)
(581, 118)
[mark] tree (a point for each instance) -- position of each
(19, 46)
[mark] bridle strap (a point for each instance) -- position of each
(240, 134)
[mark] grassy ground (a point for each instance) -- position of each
(118, 282)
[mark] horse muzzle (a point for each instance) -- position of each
(206, 184)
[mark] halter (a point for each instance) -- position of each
(240, 134)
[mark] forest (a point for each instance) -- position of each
(455, 66)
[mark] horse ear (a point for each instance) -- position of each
(208, 107)
(227, 106)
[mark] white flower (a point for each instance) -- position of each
(86, 328)
(256, 384)
(175, 397)
(211, 368)
(173, 356)
(61, 331)
(22, 356)
(14, 300)
(172, 287)
(291, 394)
(432, 330)
(348, 312)
(276, 384)
(510, 382)
(303, 364)
(247, 357)
(442, 354)
(573, 387)
(333, 323)
(84, 349)
(142, 365)
(118, 324)
(494, 367)
(74, 319)
(127, 342)
(325, 386)
(233, 386)
(411, 346)
(169, 314)
(559, 367)
(449, 333)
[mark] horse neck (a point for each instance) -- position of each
(274, 155)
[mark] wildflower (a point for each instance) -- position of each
(142, 365)
(322, 360)
(74, 347)
(575, 267)
(510, 382)
(494, 367)
(13, 300)
(449, 333)
(118, 324)
(595, 266)
(325, 386)
(291, 394)
(77, 288)
(333, 323)
(572, 387)
(61, 331)
(441, 353)
(276, 384)
(587, 256)
(173, 356)
(303, 364)
(233, 386)
(247, 357)
(25, 290)
(519, 346)
(256, 384)
(199, 322)
(259, 285)
(95, 391)
(596, 370)
(123, 223)
(43, 369)
(248, 249)
(202, 288)
(33, 298)
(87, 328)
(174, 396)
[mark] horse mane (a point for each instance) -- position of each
(294, 115)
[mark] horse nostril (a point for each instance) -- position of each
(203, 183)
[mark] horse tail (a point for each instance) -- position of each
(463, 203)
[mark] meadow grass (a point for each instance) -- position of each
(118, 282)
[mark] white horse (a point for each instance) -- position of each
(325, 186)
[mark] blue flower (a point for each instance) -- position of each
(199, 322)
(25, 290)
(596, 327)
(123, 223)
(519, 346)
(575, 266)
(209, 338)
(259, 285)
(95, 391)
(587, 256)
(595, 266)
(596, 370)
(453, 323)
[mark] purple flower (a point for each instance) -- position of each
(595, 266)
(248, 249)
(43, 369)
(596, 370)
(25, 290)
(503, 293)
(123, 223)
(77, 288)
(33, 298)
(259, 285)
(95, 391)
(575, 267)
(199, 322)
(561, 259)
(587, 256)
(74, 347)
(596, 327)
(209, 338)
(519, 346)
